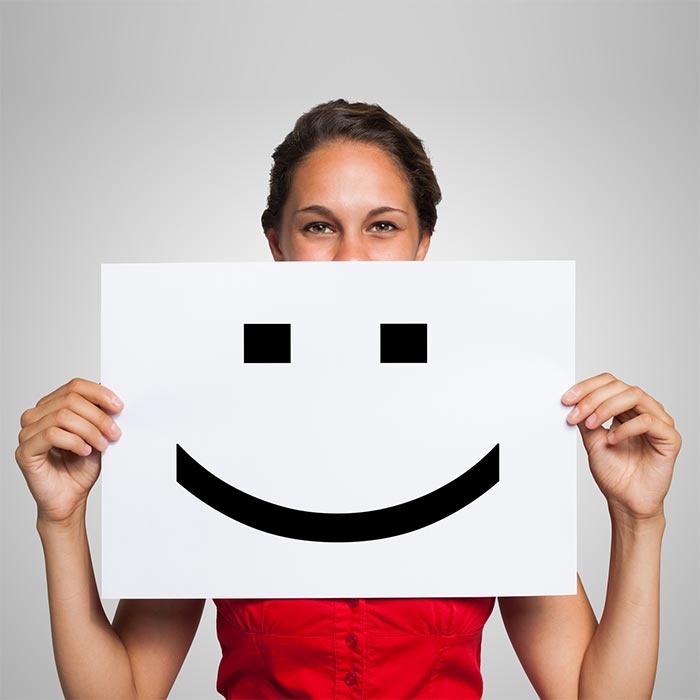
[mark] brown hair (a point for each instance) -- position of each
(353, 121)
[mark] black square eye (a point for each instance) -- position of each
(267, 342)
(403, 342)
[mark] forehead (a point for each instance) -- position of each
(352, 173)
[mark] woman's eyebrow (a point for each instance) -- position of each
(324, 211)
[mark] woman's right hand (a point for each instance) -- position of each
(61, 444)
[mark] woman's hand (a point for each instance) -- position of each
(632, 462)
(56, 442)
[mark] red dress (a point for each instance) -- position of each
(351, 648)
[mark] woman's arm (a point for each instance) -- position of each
(91, 659)
(564, 652)
(60, 455)
(632, 463)
(157, 635)
(567, 654)
(621, 658)
(137, 656)
(550, 635)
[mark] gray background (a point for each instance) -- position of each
(141, 132)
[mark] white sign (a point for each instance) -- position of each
(339, 429)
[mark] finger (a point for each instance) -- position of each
(625, 406)
(93, 391)
(590, 402)
(580, 389)
(586, 404)
(74, 422)
(653, 426)
(75, 402)
(53, 436)
(83, 388)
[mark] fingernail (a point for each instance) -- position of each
(116, 401)
(570, 394)
(574, 413)
(590, 421)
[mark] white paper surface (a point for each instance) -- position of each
(337, 431)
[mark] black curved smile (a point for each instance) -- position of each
(337, 527)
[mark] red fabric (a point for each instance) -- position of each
(346, 648)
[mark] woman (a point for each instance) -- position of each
(352, 183)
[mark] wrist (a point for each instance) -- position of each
(626, 522)
(75, 521)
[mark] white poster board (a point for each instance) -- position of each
(339, 429)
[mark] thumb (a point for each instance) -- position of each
(591, 437)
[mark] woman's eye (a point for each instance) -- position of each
(319, 226)
(384, 224)
(311, 229)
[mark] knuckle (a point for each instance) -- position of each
(63, 415)
(586, 406)
(72, 399)
(606, 375)
(76, 384)
(51, 433)
(25, 418)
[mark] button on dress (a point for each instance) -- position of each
(351, 648)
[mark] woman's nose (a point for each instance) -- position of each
(351, 246)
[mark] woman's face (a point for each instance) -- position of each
(331, 211)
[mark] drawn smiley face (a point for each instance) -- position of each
(271, 343)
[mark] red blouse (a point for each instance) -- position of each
(351, 648)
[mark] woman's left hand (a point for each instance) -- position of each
(632, 461)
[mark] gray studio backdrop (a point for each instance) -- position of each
(136, 132)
